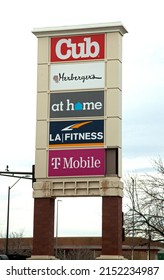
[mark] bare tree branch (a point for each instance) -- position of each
(148, 198)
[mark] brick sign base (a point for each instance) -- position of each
(43, 241)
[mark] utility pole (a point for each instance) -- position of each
(8, 211)
(56, 239)
(20, 175)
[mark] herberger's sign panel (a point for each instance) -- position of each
(74, 133)
(81, 162)
(77, 104)
(75, 48)
(77, 76)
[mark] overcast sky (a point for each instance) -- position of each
(143, 97)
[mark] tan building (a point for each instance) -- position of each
(86, 247)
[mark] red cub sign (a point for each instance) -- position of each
(77, 48)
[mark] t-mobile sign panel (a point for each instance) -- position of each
(80, 162)
(73, 48)
(87, 75)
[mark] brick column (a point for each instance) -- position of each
(112, 225)
(43, 239)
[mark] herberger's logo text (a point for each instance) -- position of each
(77, 48)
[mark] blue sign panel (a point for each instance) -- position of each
(76, 133)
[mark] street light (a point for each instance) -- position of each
(8, 211)
(59, 200)
(133, 208)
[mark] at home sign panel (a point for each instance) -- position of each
(77, 104)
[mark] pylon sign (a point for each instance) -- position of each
(78, 131)
(78, 128)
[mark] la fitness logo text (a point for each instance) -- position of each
(77, 48)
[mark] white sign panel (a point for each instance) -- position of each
(85, 75)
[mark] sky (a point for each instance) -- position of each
(142, 98)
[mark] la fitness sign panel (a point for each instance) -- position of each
(67, 76)
(80, 162)
(86, 133)
(74, 48)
